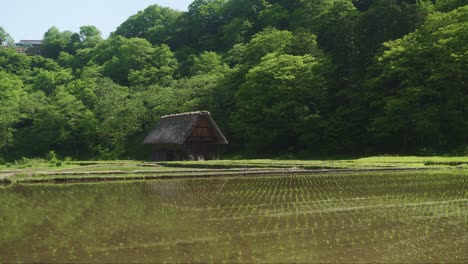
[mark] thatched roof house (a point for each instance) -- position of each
(186, 136)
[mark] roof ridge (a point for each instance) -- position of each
(187, 113)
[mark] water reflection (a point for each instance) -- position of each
(188, 193)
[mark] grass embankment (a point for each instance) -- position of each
(78, 171)
(361, 163)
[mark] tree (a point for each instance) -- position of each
(56, 42)
(90, 37)
(419, 103)
(269, 40)
(274, 15)
(207, 61)
(154, 23)
(5, 38)
(160, 69)
(14, 63)
(48, 81)
(117, 122)
(449, 5)
(387, 20)
(52, 123)
(135, 61)
(279, 95)
(10, 94)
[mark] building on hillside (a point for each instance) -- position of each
(185, 136)
(29, 47)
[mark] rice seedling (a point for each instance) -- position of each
(327, 218)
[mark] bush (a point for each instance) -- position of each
(52, 157)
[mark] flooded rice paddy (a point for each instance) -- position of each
(373, 217)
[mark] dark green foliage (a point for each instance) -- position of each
(449, 5)
(334, 77)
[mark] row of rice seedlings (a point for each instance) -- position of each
(304, 213)
(329, 229)
(404, 200)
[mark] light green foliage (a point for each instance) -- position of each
(268, 41)
(6, 39)
(200, 91)
(406, 109)
(153, 24)
(56, 124)
(56, 42)
(135, 61)
(14, 63)
(10, 94)
(278, 96)
(84, 89)
(48, 81)
(119, 116)
(315, 15)
(206, 63)
(90, 36)
(160, 70)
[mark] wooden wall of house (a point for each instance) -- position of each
(202, 142)
(202, 131)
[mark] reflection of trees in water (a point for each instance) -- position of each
(188, 193)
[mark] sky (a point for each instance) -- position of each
(30, 19)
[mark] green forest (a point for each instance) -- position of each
(280, 77)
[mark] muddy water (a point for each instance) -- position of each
(384, 217)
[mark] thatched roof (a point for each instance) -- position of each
(174, 129)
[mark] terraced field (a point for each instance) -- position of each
(365, 217)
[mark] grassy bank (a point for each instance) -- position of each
(76, 171)
(368, 162)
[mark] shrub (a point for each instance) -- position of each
(52, 156)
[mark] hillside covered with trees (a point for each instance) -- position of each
(296, 77)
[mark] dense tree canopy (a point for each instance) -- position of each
(154, 24)
(417, 103)
(302, 77)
